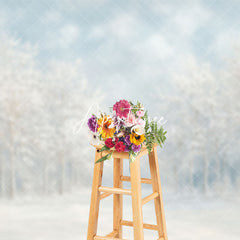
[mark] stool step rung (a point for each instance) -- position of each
(107, 238)
(112, 234)
(149, 197)
(115, 190)
(145, 225)
(104, 195)
(143, 180)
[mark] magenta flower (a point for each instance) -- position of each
(136, 148)
(122, 108)
(127, 140)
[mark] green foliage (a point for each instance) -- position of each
(104, 148)
(136, 107)
(153, 134)
(132, 155)
(106, 157)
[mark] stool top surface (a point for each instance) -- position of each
(124, 155)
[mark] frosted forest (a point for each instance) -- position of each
(60, 61)
(45, 144)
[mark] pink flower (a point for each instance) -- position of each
(131, 120)
(140, 113)
(140, 122)
(122, 108)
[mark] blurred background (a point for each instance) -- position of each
(60, 60)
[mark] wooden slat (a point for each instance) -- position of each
(117, 198)
(95, 198)
(161, 238)
(143, 180)
(158, 201)
(112, 234)
(149, 197)
(104, 195)
(124, 155)
(115, 190)
(145, 225)
(107, 238)
(136, 199)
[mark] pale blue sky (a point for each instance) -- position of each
(126, 45)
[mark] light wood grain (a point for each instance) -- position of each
(112, 234)
(158, 201)
(145, 225)
(123, 155)
(95, 198)
(149, 198)
(136, 199)
(107, 238)
(117, 198)
(143, 180)
(104, 195)
(115, 190)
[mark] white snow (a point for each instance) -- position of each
(66, 218)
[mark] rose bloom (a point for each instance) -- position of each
(109, 143)
(140, 113)
(140, 122)
(120, 147)
(131, 120)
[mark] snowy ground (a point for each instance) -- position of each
(66, 218)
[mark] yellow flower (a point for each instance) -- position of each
(137, 139)
(104, 122)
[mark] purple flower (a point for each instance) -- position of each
(92, 123)
(136, 148)
(126, 148)
(127, 140)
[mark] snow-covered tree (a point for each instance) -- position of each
(38, 113)
(203, 119)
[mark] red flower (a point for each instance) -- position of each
(120, 147)
(109, 143)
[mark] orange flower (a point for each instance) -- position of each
(104, 127)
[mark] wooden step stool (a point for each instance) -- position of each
(100, 192)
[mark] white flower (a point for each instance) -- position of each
(138, 129)
(95, 138)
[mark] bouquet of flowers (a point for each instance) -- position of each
(127, 129)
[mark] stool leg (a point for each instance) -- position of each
(136, 199)
(95, 198)
(156, 185)
(117, 198)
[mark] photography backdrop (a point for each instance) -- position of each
(60, 60)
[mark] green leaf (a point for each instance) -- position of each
(132, 156)
(104, 148)
(106, 157)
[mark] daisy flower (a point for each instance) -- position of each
(105, 127)
(137, 139)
